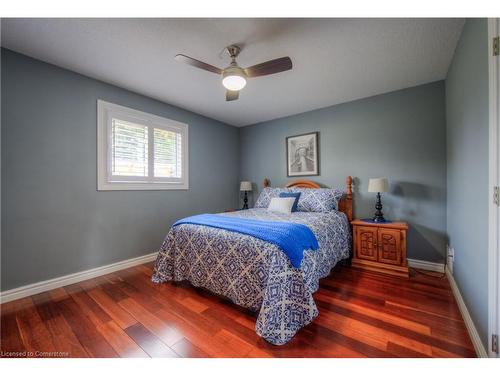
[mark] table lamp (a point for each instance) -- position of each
(245, 186)
(378, 185)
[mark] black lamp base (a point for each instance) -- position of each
(379, 216)
(245, 201)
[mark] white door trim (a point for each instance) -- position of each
(494, 165)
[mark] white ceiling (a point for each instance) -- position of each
(334, 60)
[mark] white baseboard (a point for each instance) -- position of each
(424, 265)
(469, 323)
(43, 286)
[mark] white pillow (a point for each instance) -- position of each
(282, 205)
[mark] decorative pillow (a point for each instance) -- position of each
(295, 195)
(281, 205)
(318, 200)
(266, 194)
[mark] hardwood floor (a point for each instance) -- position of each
(123, 314)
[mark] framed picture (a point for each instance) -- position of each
(302, 155)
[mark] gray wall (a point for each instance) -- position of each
(467, 168)
(400, 135)
(54, 222)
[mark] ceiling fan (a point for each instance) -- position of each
(234, 78)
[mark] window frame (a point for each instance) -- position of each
(105, 181)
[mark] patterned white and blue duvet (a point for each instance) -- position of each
(254, 273)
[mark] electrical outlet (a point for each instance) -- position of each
(450, 258)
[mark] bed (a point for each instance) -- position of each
(256, 274)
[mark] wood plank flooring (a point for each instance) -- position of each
(123, 314)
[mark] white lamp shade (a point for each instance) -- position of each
(378, 185)
(246, 186)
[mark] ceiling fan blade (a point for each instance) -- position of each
(232, 95)
(198, 64)
(269, 67)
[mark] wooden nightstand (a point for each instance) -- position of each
(380, 247)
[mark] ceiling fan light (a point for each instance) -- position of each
(234, 82)
(234, 78)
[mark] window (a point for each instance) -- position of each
(140, 151)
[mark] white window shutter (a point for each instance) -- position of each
(129, 149)
(140, 151)
(167, 154)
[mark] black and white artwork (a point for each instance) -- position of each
(302, 155)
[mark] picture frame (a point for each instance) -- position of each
(302, 155)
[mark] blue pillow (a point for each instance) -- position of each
(318, 200)
(292, 195)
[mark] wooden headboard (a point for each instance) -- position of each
(345, 204)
